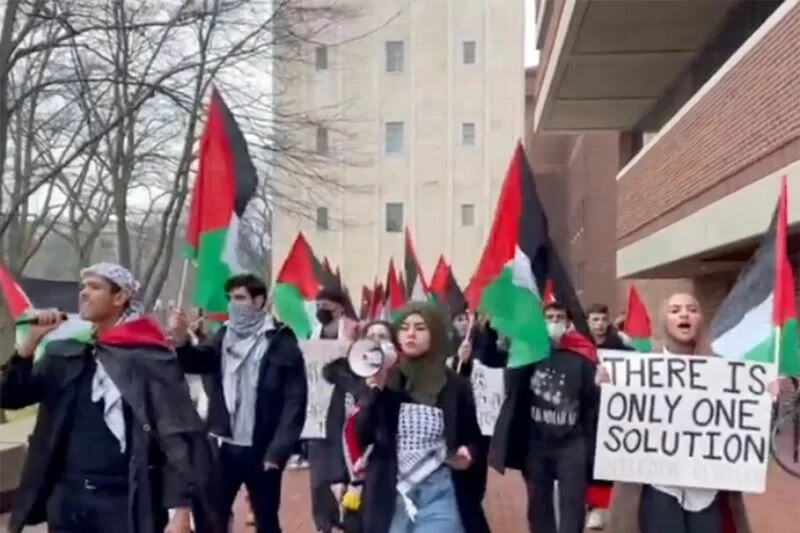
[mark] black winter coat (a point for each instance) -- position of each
(282, 391)
(376, 424)
(170, 457)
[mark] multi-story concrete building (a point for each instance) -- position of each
(704, 97)
(425, 102)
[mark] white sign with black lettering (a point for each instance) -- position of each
(488, 387)
(316, 354)
(700, 422)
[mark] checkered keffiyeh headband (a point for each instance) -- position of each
(120, 276)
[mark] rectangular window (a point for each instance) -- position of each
(467, 214)
(468, 52)
(394, 217)
(394, 56)
(322, 218)
(322, 140)
(468, 134)
(321, 57)
(394, 137)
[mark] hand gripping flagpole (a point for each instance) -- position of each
(466, 340)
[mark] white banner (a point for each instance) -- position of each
(489, 390)
(317, 353)
(700, 422)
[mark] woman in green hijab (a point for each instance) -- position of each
(420, 419)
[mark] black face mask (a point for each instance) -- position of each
(325, 316)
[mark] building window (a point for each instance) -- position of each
(468, 134)
(467, 214)
(394, 56)
(321, 57)
(322, 140)
(394, 137)
(322, 219)
(394, 217)
(468, 52)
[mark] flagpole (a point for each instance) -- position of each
(466, 339)
(182, 285)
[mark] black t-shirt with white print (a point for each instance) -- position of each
(561, 389)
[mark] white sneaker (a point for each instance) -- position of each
(596, 519)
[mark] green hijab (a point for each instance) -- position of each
(426, 374)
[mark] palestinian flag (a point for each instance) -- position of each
(394, 297)
(445, 289)
(416, 288)
(327, 265)
(637, 322)
(225, 183)
(20, 306)
(296, 288)
(378, 300)
(516, 263)
(402, 282)
(758, 319)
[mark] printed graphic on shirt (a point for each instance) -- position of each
(551, 402)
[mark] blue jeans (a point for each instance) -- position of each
(437, 509)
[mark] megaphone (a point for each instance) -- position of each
(367, 357)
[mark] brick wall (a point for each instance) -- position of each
(747, 126)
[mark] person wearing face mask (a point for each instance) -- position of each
(333, 325)
(257, 407)
(545, 425)
(637, 508)
(419, 418)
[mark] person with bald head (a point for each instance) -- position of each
(637, 508)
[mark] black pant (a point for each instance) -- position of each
(662, 513)
(566, 462)
(324, 507)
(238, 465)
(88, 505)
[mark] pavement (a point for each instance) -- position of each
(776, 511)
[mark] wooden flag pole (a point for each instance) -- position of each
(466, 340)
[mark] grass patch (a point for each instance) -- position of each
(21, 414)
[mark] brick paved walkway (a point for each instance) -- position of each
(777, 511)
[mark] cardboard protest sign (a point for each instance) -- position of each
(317, 353)
(700, 422)
(488, 388)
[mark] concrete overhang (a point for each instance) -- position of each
(612, 59)
(714, 238)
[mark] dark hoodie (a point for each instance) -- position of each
(169, 454)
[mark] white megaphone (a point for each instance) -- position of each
(367, 357)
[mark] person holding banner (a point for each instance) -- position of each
(334, 324)
(546, 423)
(639, 508)
(258, 406)
(420, 419)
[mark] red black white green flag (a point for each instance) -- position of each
(226, 182)
(758, 319)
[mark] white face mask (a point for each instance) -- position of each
(556, 330)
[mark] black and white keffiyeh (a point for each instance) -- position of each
(421, 448)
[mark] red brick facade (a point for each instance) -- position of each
(746, 127)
